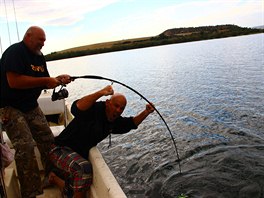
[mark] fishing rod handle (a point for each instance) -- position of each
(87, 76)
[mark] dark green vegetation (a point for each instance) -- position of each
(171, 36)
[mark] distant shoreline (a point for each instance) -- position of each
(171, 36)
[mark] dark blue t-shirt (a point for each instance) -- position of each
(19, 59)
(90, 127)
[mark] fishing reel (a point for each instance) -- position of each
(61, 94)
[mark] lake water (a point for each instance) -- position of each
(211, 95)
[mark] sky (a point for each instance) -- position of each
(69, 23)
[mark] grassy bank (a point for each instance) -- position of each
(171, 36)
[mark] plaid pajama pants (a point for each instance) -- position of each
(76, 170)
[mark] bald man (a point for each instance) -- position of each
(93, 121)
(24, 75)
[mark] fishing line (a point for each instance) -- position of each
(115, 81)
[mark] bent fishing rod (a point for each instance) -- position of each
(115, 81)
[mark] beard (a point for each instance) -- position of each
(38, 52)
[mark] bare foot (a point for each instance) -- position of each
(55, 180)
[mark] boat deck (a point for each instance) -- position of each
(12, 185)
(51, 192)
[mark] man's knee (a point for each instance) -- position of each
(24, 150)
(87, 168)
(84, 172)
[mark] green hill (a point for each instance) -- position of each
(171, 36)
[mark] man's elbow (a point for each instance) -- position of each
(14, 84)
(13, 80)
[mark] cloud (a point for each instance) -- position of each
(67, 23)
(184, 14)
(51, 12)
(214, 12)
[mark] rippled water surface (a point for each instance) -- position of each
(211, 95)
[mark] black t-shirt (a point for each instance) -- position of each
(90, 127)
(19, 59)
